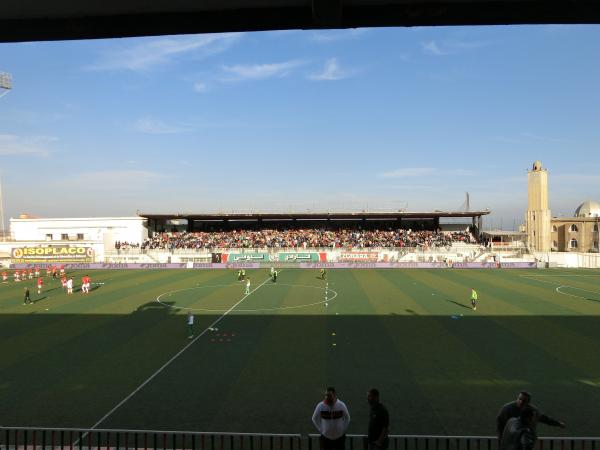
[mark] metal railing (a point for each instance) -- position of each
(191, 251)
(422, 442)
(29, 438)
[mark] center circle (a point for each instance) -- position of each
(163, 298)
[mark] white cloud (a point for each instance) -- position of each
(432, 48)
(449, 46)
(409, 172)
(200, 87)
(153, 126)
(525, 138)
(25, 146)
(331, 72)
(154, 52)
(113, 180)
(336, 35)
(537, 137)
(243, 72)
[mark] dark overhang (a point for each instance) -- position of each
(318, 216)
(39, 20)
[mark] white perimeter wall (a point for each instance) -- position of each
(570, 259)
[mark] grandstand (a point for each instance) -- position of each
(432, 220)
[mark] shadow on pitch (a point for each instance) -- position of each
(458, 304)
(115, 352)
(162, 307)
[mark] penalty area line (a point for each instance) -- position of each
(173, 358)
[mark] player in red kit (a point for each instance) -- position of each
(37, 272)
(40, 285)
(48, 271)
(4, 277)
(62, 270)
(31, 273)
(54, 269)
(85, 286)
(63, 281)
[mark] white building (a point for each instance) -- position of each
(96, 232)
(91, 229)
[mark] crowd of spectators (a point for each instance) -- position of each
(306, 238)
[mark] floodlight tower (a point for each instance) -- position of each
(5, 83)
(5, 88)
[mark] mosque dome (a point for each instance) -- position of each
(588, 209)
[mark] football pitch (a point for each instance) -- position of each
(442, 368)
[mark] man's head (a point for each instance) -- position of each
(527, 415)
(373, 396)
(523, 399)
(330, 396)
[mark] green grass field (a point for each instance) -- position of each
(442, 368)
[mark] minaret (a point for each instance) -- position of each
(538, 215)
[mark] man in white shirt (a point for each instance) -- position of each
(331, 419)
(190, 324)
(247, 286)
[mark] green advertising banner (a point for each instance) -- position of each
(298, 257)
(246, 257)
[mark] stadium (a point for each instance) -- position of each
(351, 290)
(221, 330)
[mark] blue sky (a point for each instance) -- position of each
(340, 119)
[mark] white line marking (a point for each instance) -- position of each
(558, 289)
(164, 366)
(249, 310)
(560, 275)
(573, 295)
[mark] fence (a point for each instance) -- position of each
(27, 438)
(420, 442)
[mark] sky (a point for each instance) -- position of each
(388, 118)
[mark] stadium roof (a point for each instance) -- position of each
(318, 216)
(76, 19)
(503, 233)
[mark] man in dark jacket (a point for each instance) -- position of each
(379, 422)
(519, 432)
(513, 409)
(27, 298)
